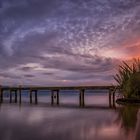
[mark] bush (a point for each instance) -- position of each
(128, 79)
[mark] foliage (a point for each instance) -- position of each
(128, 79)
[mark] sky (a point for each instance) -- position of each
(66, 42)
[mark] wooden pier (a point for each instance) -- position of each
(33, 93)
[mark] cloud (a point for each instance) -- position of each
(80, 64)
(9, 76)
(76, 38)
(29, 76)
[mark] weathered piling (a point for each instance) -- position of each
(15, 96)
(1, 95)
(81, 98)
(30, 96)
(20, 94)
(112, 92)
(36, 99)
(55, 97)
(33, 92)
(113, 97)
(110, 98)
(52, 97)
(10, 96)
(13, 91)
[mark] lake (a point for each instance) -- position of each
(67, 121)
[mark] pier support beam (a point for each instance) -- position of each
(15, 96)
(81, 98)
(112, 92)
(1, 95)
(30, 96)
(10, 96)
(52, 97)
(55, 97)
(113, 96)
(110, 101)
(36, 99)
(20, 96)
(35, 95)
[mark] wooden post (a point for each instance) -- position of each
(10, 95)
(36, 100)
(1, 95)
(52, 97)
(15, 96)
(30, 96)
(110, 91)
(57, 96)
(20, 94)
(113, 96)
(81, 98)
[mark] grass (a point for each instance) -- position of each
(128, 79)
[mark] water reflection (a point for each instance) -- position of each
(128, 117)
(52, 123)
(137, 131)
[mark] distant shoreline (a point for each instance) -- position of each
(128, 101)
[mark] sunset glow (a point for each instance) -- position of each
(72, 42)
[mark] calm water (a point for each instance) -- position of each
(68, 122)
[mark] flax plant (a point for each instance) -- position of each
(128, 79)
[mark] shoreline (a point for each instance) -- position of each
(128, 101)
